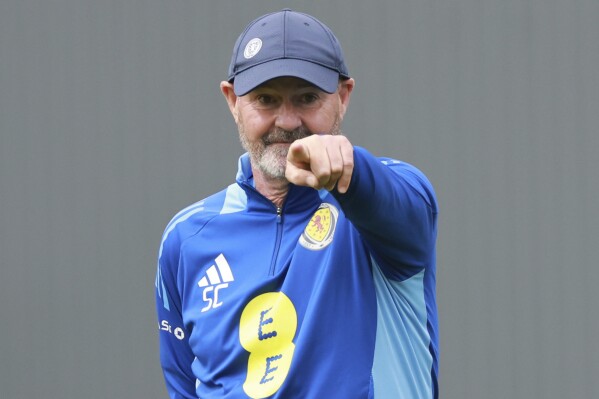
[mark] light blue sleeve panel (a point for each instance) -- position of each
(402, 359)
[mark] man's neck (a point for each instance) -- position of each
(273, 189)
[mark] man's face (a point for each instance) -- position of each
(283, 110)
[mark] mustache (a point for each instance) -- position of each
(278, 135)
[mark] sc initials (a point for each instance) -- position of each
(210, 296)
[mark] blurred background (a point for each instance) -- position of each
(111, 120)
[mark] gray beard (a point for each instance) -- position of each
(271, 160)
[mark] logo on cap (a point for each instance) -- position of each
(252, 48)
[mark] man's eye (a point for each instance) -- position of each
(309, 98)
(265, 99)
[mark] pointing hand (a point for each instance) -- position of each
(321, 161)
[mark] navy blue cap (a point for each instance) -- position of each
(286, 43)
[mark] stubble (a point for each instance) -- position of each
(269, 154)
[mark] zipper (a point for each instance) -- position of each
(279, 232)
(279, 235)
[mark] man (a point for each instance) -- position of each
(313, 275)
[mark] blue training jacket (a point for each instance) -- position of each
(332, 296)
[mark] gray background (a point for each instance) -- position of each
(111, 120)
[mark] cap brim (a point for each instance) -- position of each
(320, 76)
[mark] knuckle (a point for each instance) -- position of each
(337, 169)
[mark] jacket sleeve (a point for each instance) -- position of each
(176, 356)
(393, 206)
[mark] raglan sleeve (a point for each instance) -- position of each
(394, 207)
(176, 356)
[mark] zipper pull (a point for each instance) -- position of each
(279, 214)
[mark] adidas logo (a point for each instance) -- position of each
(217, 277)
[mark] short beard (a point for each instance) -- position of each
(269, 159)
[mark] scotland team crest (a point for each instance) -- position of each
(321, 228)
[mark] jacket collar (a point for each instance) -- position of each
(298, 198)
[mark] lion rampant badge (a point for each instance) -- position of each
(321, 228)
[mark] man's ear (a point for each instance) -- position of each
(227, 89)
(346, 86)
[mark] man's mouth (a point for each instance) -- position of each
(284, 137)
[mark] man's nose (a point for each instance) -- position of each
(288, 118)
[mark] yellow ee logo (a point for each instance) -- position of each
(266, 330)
